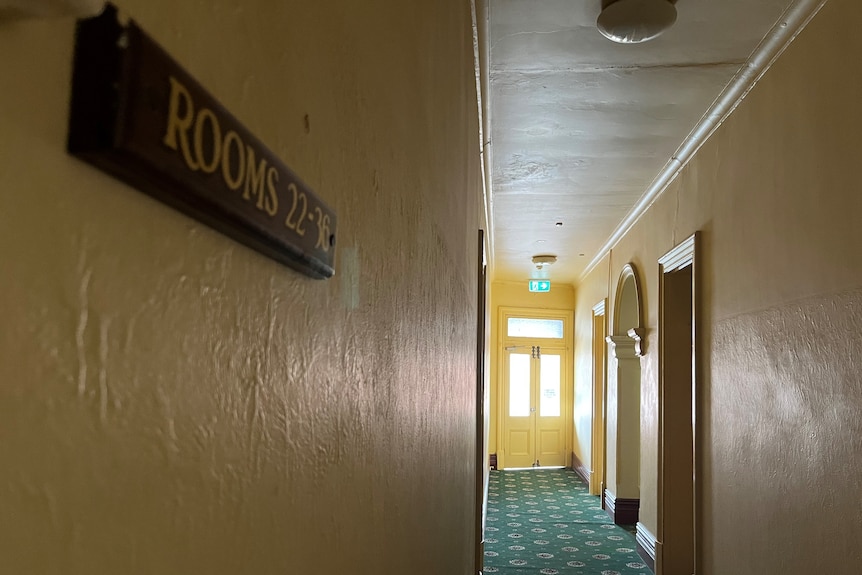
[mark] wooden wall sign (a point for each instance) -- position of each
(137, 115)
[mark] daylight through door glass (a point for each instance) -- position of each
(534, 327)
(549, 402)
(519, 385)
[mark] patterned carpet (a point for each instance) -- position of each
(545, 522)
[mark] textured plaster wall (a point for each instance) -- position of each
(775, 193)
(595, 292)
(515, 294)
(172, 402)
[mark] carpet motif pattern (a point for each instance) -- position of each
(545, 522)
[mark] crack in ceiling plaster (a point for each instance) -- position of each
(580, 126)
(536, 32)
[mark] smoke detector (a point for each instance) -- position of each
(543, 261)
(635, 21)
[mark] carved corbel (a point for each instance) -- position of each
(621, 347)
(639, 335)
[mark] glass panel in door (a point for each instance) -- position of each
(519, 424)
(549, 386)
(534, 327)
(519, 385)
(550, 423)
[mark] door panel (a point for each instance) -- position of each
(550, 423)
(521, 444)
(550, 444)
(535, 407)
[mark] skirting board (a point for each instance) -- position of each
(622, 511)
(579, 468)
(646, 545)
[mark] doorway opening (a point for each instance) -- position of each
(536, 392)
(678, 526)
(600, 362)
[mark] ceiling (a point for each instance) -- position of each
(580, 127)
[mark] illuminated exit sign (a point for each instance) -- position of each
(540, 286)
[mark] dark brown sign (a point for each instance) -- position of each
(139, 116)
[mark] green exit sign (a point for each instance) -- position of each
(540, 286)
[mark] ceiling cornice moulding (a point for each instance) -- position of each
(783, 33)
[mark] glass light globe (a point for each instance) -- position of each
(635, 21)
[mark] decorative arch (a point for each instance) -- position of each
(628, 309)
(626, 347)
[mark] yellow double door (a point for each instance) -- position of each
(534, 406)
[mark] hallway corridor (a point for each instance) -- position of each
(545, 522)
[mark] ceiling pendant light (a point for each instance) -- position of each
(544, 260)
(635, 21)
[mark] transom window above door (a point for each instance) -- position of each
(534, 327)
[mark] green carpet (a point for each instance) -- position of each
(545, 522)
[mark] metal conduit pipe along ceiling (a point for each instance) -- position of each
(589, 132)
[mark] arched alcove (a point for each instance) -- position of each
(622, 491)
(627, 314)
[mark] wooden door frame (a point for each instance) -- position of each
(481, 386)
(599, 400)
(567, 387)
(684, 255)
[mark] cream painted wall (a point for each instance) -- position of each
(595, 292)
(517, 294)
(775, 193)
(172, 402)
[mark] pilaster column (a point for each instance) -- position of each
(624, 346)
(624, 415)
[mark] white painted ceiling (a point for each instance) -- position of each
(580, 126)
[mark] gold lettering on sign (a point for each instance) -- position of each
(257, 179)
(207, 114)
(272, 198)
(180, 125)
(254, 178)
(322, 230)
(234, 183)
(197, 136)
(290, 222)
